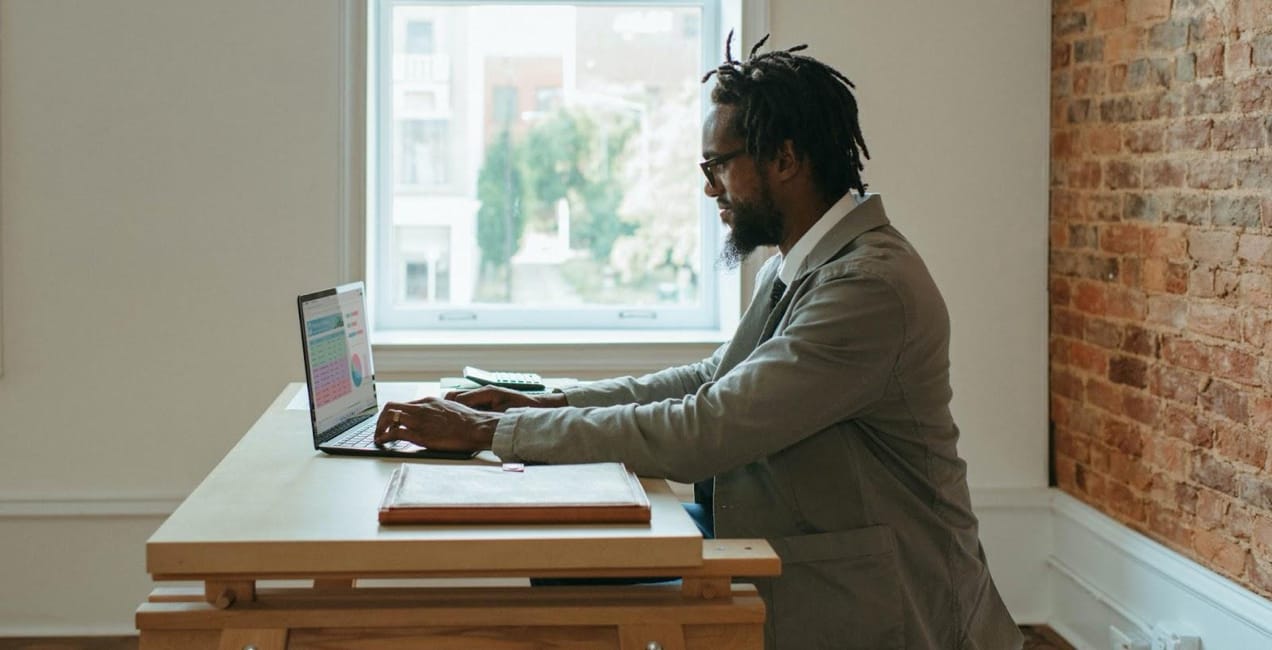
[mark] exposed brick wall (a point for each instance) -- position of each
(1161, 271)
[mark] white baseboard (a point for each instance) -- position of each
(1103, 573)
(1056, 561)
(45, 508)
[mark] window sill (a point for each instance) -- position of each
(585, 354)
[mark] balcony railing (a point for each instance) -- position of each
(426, 68)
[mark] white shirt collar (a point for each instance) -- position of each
(795, 258)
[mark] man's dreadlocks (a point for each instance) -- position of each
(782, 96)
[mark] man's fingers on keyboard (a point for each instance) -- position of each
(387, 425)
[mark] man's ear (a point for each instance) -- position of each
(786, 163)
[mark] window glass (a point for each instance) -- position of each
(543, 157)
(419, 37)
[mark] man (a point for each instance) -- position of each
(824, 424)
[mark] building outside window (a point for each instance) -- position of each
(419, 37)
(423, 153)
(542, 165)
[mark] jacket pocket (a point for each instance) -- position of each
(837, 590)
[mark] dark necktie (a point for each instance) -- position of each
(779, 288)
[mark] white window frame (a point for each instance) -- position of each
(417, 353)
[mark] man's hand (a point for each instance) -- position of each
(494, 398)
(436, 424)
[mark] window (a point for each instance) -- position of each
(504, 106)
(425, 254)
(419, 37)
(535, 165)
(422, 154)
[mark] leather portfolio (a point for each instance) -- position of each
(450, 494)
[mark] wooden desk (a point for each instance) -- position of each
(274, 509)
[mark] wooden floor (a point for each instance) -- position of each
(1037, 637)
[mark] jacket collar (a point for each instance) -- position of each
(867, 216)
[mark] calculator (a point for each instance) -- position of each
(526, 381)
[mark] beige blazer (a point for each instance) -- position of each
(825, 423)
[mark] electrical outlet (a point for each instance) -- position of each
(1168, 636)
(1119, 640)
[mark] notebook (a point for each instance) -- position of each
(341, 376)
(536, 494)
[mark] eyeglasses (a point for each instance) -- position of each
(708, 166)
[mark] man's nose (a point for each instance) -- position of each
(712, 189)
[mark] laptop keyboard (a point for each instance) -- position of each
(360, 436)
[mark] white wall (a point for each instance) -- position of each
(954, 107)
(170, 174)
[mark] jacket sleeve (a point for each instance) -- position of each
(665, 384)
(833, 359)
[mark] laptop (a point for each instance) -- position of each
(341, 377)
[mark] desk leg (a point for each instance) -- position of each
(651, 637)
(240, 639)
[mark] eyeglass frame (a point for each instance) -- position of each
(710, 163)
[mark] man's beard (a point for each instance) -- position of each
(755, 223)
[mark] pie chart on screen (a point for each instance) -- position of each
(357, 370)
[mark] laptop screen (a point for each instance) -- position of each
(337, 355)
